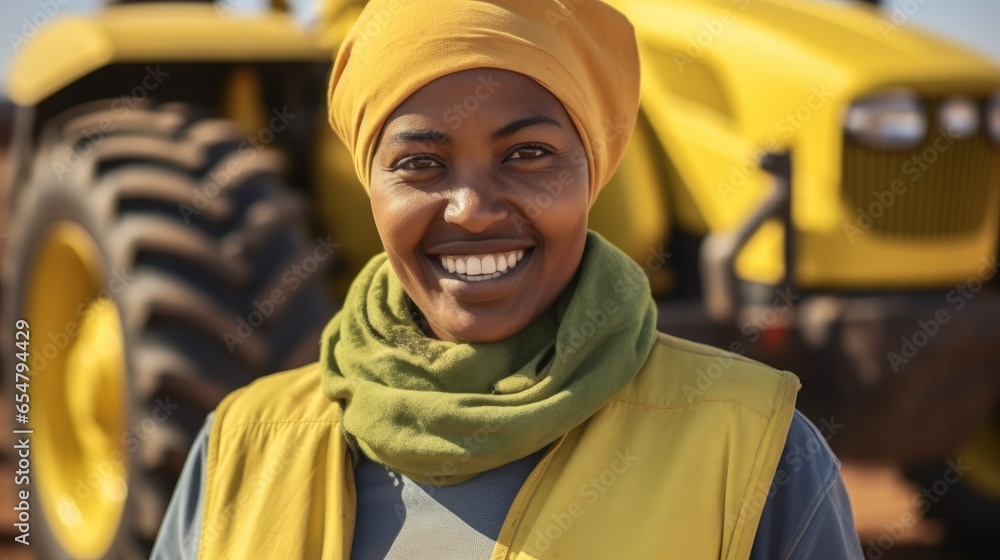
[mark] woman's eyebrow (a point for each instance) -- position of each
(425, 135)
(523, 123)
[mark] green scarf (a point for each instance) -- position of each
(441, 412)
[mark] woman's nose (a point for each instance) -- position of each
(476, 208)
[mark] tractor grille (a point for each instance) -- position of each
(950, 183)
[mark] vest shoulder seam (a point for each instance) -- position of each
(685, 405)
(246, 423)
(664, 339)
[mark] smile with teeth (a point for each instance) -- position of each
(481, 267)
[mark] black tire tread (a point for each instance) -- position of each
(193, 275)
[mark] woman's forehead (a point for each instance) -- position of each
(481, 96)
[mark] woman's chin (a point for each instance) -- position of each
(476, 327)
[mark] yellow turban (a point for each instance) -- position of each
(582, 51)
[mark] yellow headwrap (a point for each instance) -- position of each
(582, 51)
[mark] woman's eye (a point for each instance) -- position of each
(528, 152)
(418, 162)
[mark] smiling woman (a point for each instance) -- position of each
(444, 199)
(494, 386)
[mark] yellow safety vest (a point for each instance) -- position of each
(677, 465)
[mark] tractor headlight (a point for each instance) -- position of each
(891, 120)
(959, 116)
(993, 117)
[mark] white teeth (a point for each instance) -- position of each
(473, 267)
(489, 264)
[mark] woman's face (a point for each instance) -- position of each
(479, 188)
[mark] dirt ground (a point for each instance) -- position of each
(880, 497)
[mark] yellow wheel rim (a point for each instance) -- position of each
(78, 392)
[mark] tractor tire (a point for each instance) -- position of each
(160, 264)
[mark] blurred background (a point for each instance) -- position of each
(815, 184)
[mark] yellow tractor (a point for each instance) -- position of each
(809, 184)
(157, 254)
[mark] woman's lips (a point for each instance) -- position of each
(475, 268)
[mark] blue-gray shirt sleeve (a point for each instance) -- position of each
(181, 528)
(807, 513)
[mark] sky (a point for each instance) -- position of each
(973, 22)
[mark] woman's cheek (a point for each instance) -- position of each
(564, 199)
(394, 214)
(556, 192)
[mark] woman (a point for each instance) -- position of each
(494, 386)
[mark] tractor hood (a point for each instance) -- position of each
(744, 58)
(854, 37)
(859, 37)
(72, 47)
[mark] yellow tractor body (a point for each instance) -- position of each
(726, 81)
